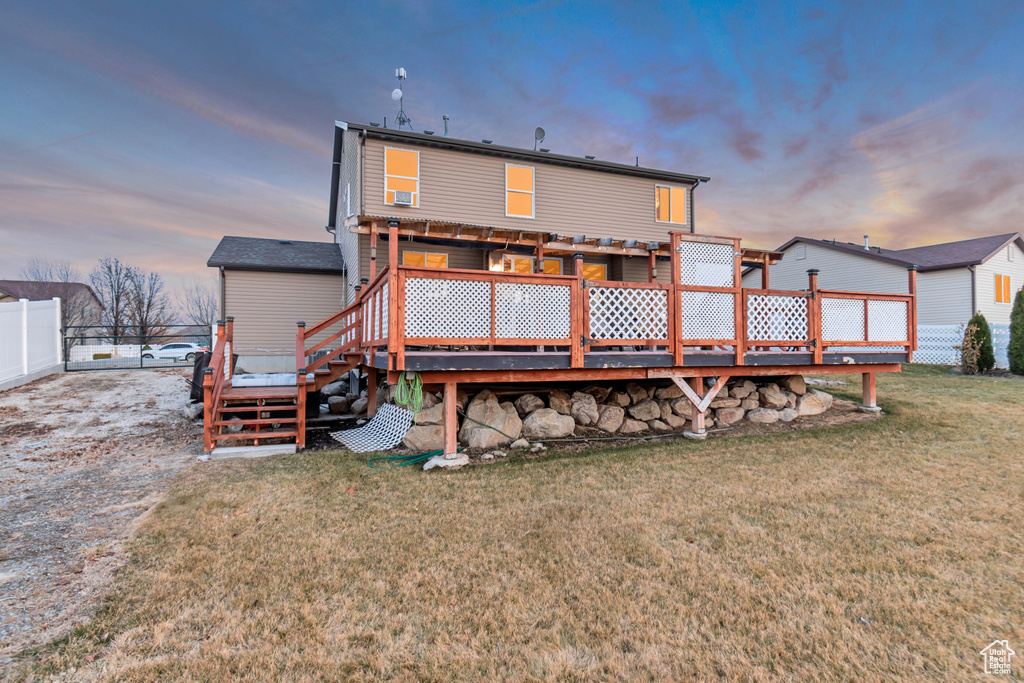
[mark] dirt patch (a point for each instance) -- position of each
(83, 457)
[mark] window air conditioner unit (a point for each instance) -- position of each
(403, 198)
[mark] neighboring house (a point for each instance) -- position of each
(268, 285)
(954, 280)
(79, 303)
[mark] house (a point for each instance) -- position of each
(478, 265)
(268, 285)
(79, 304)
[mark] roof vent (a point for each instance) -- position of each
(487, 142)
(284, 242)
(428, 132)
(375, 125)
(544, 149)
(866, 247)
(589, 156)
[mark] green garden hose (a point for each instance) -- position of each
(409, 394)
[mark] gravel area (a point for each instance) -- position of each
(83, 457)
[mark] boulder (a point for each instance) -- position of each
(722, 393)
(682, 407)
(650, 390)
(794, 383)
(730, 415)
(499, 454)
(669, 392)
(610, 418)
(599, 393)
(709, 422)
(339, 388)
(430, 416)
(750, 403)
(742, 389)
(559, 401)
(636, 392)
(359, 405)
(619, 398)
(583, 409)
(814, 402)
(659, 426)
(489, 423)
(674, 421)
(527, 403)
(725, 403)
(665, 407)
(487, 456)
(788, 414)
(520, 443)
(763, 416)
(548, 423)
(352, 397)
(790, 399)
(631, 426)
(772, 397)
(430, 400)
(646, 409)
(423, 438)
(338, 405)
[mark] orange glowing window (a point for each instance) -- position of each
(519, 191)
(419, 258)
(401, 174)
(670, 204)
(552, 266)
(1003, 289)
(595, 271)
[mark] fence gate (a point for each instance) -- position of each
(130, 347)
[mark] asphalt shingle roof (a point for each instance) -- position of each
(289, 256)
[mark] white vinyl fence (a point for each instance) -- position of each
(30, 337)
(936, 344)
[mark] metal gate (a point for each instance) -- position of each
(109, 347)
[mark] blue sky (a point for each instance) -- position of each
(149, 130)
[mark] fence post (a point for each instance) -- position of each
(912, 312)
(814, 316)
(576, 300)
(24, 335)
(57, 330)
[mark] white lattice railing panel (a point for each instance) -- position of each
(447, 308)
(707, 265)
(525, 311)
(842, 319)
(376, 315)
(775, 317)
(628, 313)
(366, 321)
(709, 315)
(384, 311)
(887, 320)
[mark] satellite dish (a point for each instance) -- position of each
(538, 137)
(396, 94)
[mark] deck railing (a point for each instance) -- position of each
(215, 376)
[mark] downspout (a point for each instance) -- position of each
(223, 295)
(362, 198)
(974, 291)
(693, 189)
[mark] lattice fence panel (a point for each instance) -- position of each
(525, 311)
(937, 344)
(887, 320)
(773, 317)
(447, 308)
(628, 313)
(709, 315)
(366, 321)
(842, 319)
(710, 265)
(376, 315)
(384, 311)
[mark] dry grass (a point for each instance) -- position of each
(891, 549)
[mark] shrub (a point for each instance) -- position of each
(100, 356)
(969, 351)
(983, 337)
(1016, 349)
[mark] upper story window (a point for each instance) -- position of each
(670, 204)
(1009, 252)
(401, 176)
(801, 251)
(424, 258)
(1003, 289)
(519, 191)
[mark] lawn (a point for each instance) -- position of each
(889, 549)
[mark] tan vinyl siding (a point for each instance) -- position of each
(838, 270)
(944, 297)
(999, 264)
(266, 307)
(470, 188)
(635, 269)
(458, 257)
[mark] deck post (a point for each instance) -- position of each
(393, 243)
(208, 410)
(576, 303)
(371, 391)
(300, 409)
(912, 312)
(538, 266)
(870, 405)
(675, 301)
(764, 272)
(814, 317)
(696, 413)
(373, 252)
(451, 421)
(652, 267)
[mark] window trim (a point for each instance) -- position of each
(425, 253)
(671, 211)
(532, 192)
(416, 198)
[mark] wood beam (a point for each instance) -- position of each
(451, 420)
(868, 387)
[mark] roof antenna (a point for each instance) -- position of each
(397, 94)
(538, 137)
(445, 117)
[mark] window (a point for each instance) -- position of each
(421, 258)
(595, 271)
(801, 252)
(1003, 289)
(524, 264)
(518, 191)
(1009, 252)
(401, 174)
(670, 204)
(552, 266)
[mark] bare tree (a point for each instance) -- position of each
(112, 281)
(198, 305)
(53, 278)
(149, 308)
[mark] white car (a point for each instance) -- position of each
(175, 351)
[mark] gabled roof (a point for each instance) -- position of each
(945, 256)
(29, 289)
(285, 256)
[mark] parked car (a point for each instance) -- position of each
(175, 351)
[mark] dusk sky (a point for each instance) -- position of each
(149, 130)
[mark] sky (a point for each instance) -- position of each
(149, 130)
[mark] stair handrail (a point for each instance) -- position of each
(213, 382)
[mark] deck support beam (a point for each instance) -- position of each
(371, 391)
(699, 400)
(870, 404)
(451, 420)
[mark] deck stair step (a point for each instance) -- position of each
(262, 421)
(234, 436)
